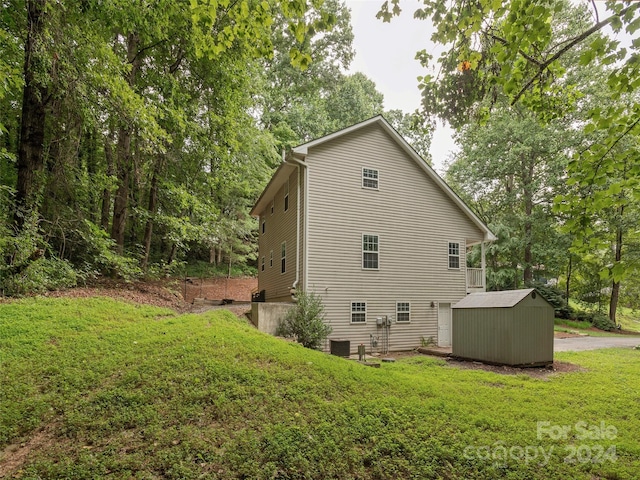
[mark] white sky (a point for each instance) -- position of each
(385, 52)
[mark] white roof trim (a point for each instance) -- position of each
(303, 150)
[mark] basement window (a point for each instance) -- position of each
(358, 312)
(403, 312)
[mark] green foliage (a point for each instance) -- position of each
(40, 276)
(99, 256)
(129, 391)
(27, 267)
(602, 322)
(203, 269)
(304, 322)
(555, 297)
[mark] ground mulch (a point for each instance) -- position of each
(535, 372)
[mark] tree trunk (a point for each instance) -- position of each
(153, 202)
(212, 255)
(172, 254)
(106, 193)
(32, 124)
(124, 160)
(615, 287)
(121, 200)
(528, 223)
(569, 271)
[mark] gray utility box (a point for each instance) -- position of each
(512, 327)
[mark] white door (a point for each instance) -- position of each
(444, 324)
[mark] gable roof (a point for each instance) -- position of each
(299, 153)
(504, 299)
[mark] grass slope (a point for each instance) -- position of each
(95, 388)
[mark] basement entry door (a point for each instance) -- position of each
(444, 324)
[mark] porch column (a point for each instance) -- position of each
(483, 265)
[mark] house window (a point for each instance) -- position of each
(358, 312)
(283, 256)
(454, 255)
(403, 312)
(369, 178)
(370, 251)
(262, 264)
(263, 226)
(271, 259)
(286, 196)
(272, 205)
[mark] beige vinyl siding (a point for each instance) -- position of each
(414, 220)
(279, 227)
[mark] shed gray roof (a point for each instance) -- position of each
(505, 299)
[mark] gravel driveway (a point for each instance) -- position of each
(575, 344)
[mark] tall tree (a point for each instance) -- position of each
(511, 48)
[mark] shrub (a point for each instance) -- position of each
(41, 275)
(99, 255)
(555, 297)
(602, 322)
(305, 321)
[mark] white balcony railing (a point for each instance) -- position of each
(475, 279)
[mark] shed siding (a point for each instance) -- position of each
(414, 220)
(518, 335)
(279, 227)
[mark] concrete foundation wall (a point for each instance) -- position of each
(266, 315)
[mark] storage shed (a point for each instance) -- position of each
(512, 327)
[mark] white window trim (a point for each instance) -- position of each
(367, 251)
(351, 312)
(362, 178)
(286, 198)
(283, 258)
(459, 256)
(398, 312)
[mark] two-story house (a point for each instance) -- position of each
(359, 218)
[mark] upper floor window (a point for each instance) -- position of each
(358, 312)
(272, 205)
(263, 226)
(454, 255)
(403, 312)
(370, 251)
(271, 259)
(283, 257)
(262, 264)
(369, 178)
(286, 196)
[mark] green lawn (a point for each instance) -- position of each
(94, 388)
(580, 327)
